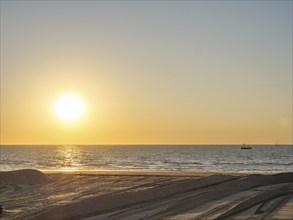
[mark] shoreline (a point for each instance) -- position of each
(146, 172)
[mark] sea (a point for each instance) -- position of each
(188, 158)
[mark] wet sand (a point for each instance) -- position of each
(30, 194)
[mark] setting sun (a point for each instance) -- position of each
(69, 108)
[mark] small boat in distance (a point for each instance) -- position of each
(246, 147)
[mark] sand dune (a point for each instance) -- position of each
(146, 196)
(26, 176)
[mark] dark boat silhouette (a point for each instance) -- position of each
(246, 147)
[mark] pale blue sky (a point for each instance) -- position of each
(204, 72)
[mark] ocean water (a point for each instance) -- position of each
(205, 158)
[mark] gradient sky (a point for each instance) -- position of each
(149, 72)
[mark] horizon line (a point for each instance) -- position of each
(144, 144)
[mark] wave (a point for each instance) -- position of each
(182, 162)
(256, 164)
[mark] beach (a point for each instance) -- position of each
(31, 194)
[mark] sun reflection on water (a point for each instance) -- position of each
(70, 157)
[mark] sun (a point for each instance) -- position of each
(69, 108)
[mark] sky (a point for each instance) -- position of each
(148, 72)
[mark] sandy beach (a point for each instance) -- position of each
(31, 194)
